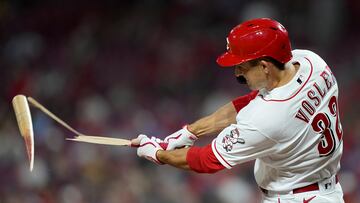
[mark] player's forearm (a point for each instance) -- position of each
(215, 122)
(176, 158)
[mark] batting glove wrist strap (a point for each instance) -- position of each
(180, 138)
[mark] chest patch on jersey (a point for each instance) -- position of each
(231, 139)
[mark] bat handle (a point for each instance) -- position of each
(134, 145)
(163, 145)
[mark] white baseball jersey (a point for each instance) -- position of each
(292, 131)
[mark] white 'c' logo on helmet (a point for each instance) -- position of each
(227, 44)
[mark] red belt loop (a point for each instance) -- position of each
(336, 179)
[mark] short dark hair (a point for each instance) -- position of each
(279, 65)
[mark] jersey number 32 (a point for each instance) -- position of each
(324, 125)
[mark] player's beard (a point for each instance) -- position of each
(241, 79)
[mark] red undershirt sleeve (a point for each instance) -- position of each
(203, 160)
(242, 101)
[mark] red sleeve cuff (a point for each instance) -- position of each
(242, 101)
(203, 160)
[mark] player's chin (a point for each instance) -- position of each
(253, 88)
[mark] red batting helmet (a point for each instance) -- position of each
(254, 39)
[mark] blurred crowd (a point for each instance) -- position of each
(120, 68)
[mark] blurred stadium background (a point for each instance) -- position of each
(120, 68)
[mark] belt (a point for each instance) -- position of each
(312, 187)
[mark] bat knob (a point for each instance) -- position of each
(135, 142)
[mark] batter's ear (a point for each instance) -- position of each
(265, 65)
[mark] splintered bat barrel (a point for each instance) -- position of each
(23, 118)
(80, 136)
(51, 115)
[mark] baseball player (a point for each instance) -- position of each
(289, 123)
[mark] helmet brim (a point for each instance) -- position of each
(228, 59)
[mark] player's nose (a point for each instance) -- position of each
(238, 71)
